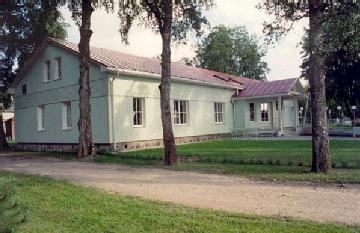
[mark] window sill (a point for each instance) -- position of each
(219, 123)
(47, 81)
(138, 126)
(57, 79)
(41, 130)
(181, 124)
(67, 129)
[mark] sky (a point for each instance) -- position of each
(284, 58)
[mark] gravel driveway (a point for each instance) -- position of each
(220, 192)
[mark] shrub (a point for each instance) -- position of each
(259, 162)
(241, 161)
(11, 213)
(270, 162)
(301, 164)
(344, 164)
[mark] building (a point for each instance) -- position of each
(125, 101)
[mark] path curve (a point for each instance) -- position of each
(220, 192)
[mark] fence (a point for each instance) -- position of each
(337, 126)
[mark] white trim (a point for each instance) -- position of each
(187, 112)
(217, 112)
(46, 71)
(40, 112)
(142, 111)
(64, 115)
(58, 66)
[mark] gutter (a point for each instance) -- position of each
(270, 96)
(157, 76)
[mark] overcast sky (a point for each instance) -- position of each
(283, 59)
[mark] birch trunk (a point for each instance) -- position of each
(168, 135)
(320, 136)
(86, 145)
(3, 142)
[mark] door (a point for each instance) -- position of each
(289, 114)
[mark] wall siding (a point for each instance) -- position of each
(201, 109)
(52, 94)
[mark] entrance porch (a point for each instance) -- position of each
(272, 116)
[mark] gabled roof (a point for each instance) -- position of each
(271, 88)
(123, 61)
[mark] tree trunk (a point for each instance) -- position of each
(168, 135)
(3, 142)
(320, 136)
(86, 145)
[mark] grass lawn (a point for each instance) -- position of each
(56, 206)
(264, 159)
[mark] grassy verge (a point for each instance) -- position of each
(269, 160)
(56, 206)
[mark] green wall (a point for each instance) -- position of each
(52, 94)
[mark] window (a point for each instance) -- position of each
(24, 89)
(40, 117)
(58, 68)
(180, 112)
(264, 112)
(219, 112)
(252, 111)
(66, 116)
(47, 72)
(138, 110)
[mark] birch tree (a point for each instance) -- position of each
(286, 14)
(173, 20)
(81, 12)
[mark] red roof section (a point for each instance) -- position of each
(268, 88)
(114, 59)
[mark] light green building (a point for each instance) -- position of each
(125, 101)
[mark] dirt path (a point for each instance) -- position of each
(229, 193)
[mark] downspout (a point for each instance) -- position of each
(234, 110)
(111, 106)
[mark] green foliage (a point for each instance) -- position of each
(11, 213)
(75, 8)
(341, 50)
(286, 13)
(186, 17)
(57, 206)
(22, 29)
(233, 51)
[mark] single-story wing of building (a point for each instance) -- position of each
(125, 101)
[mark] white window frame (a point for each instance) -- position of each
(58, 68)
(136, 103)
(40, 112)
(66, 116)
(179, 118)
(47, 71)
(219, 113)
(264, 108)
(252, 112)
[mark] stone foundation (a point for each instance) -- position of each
(141, 145)
(121, 146)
